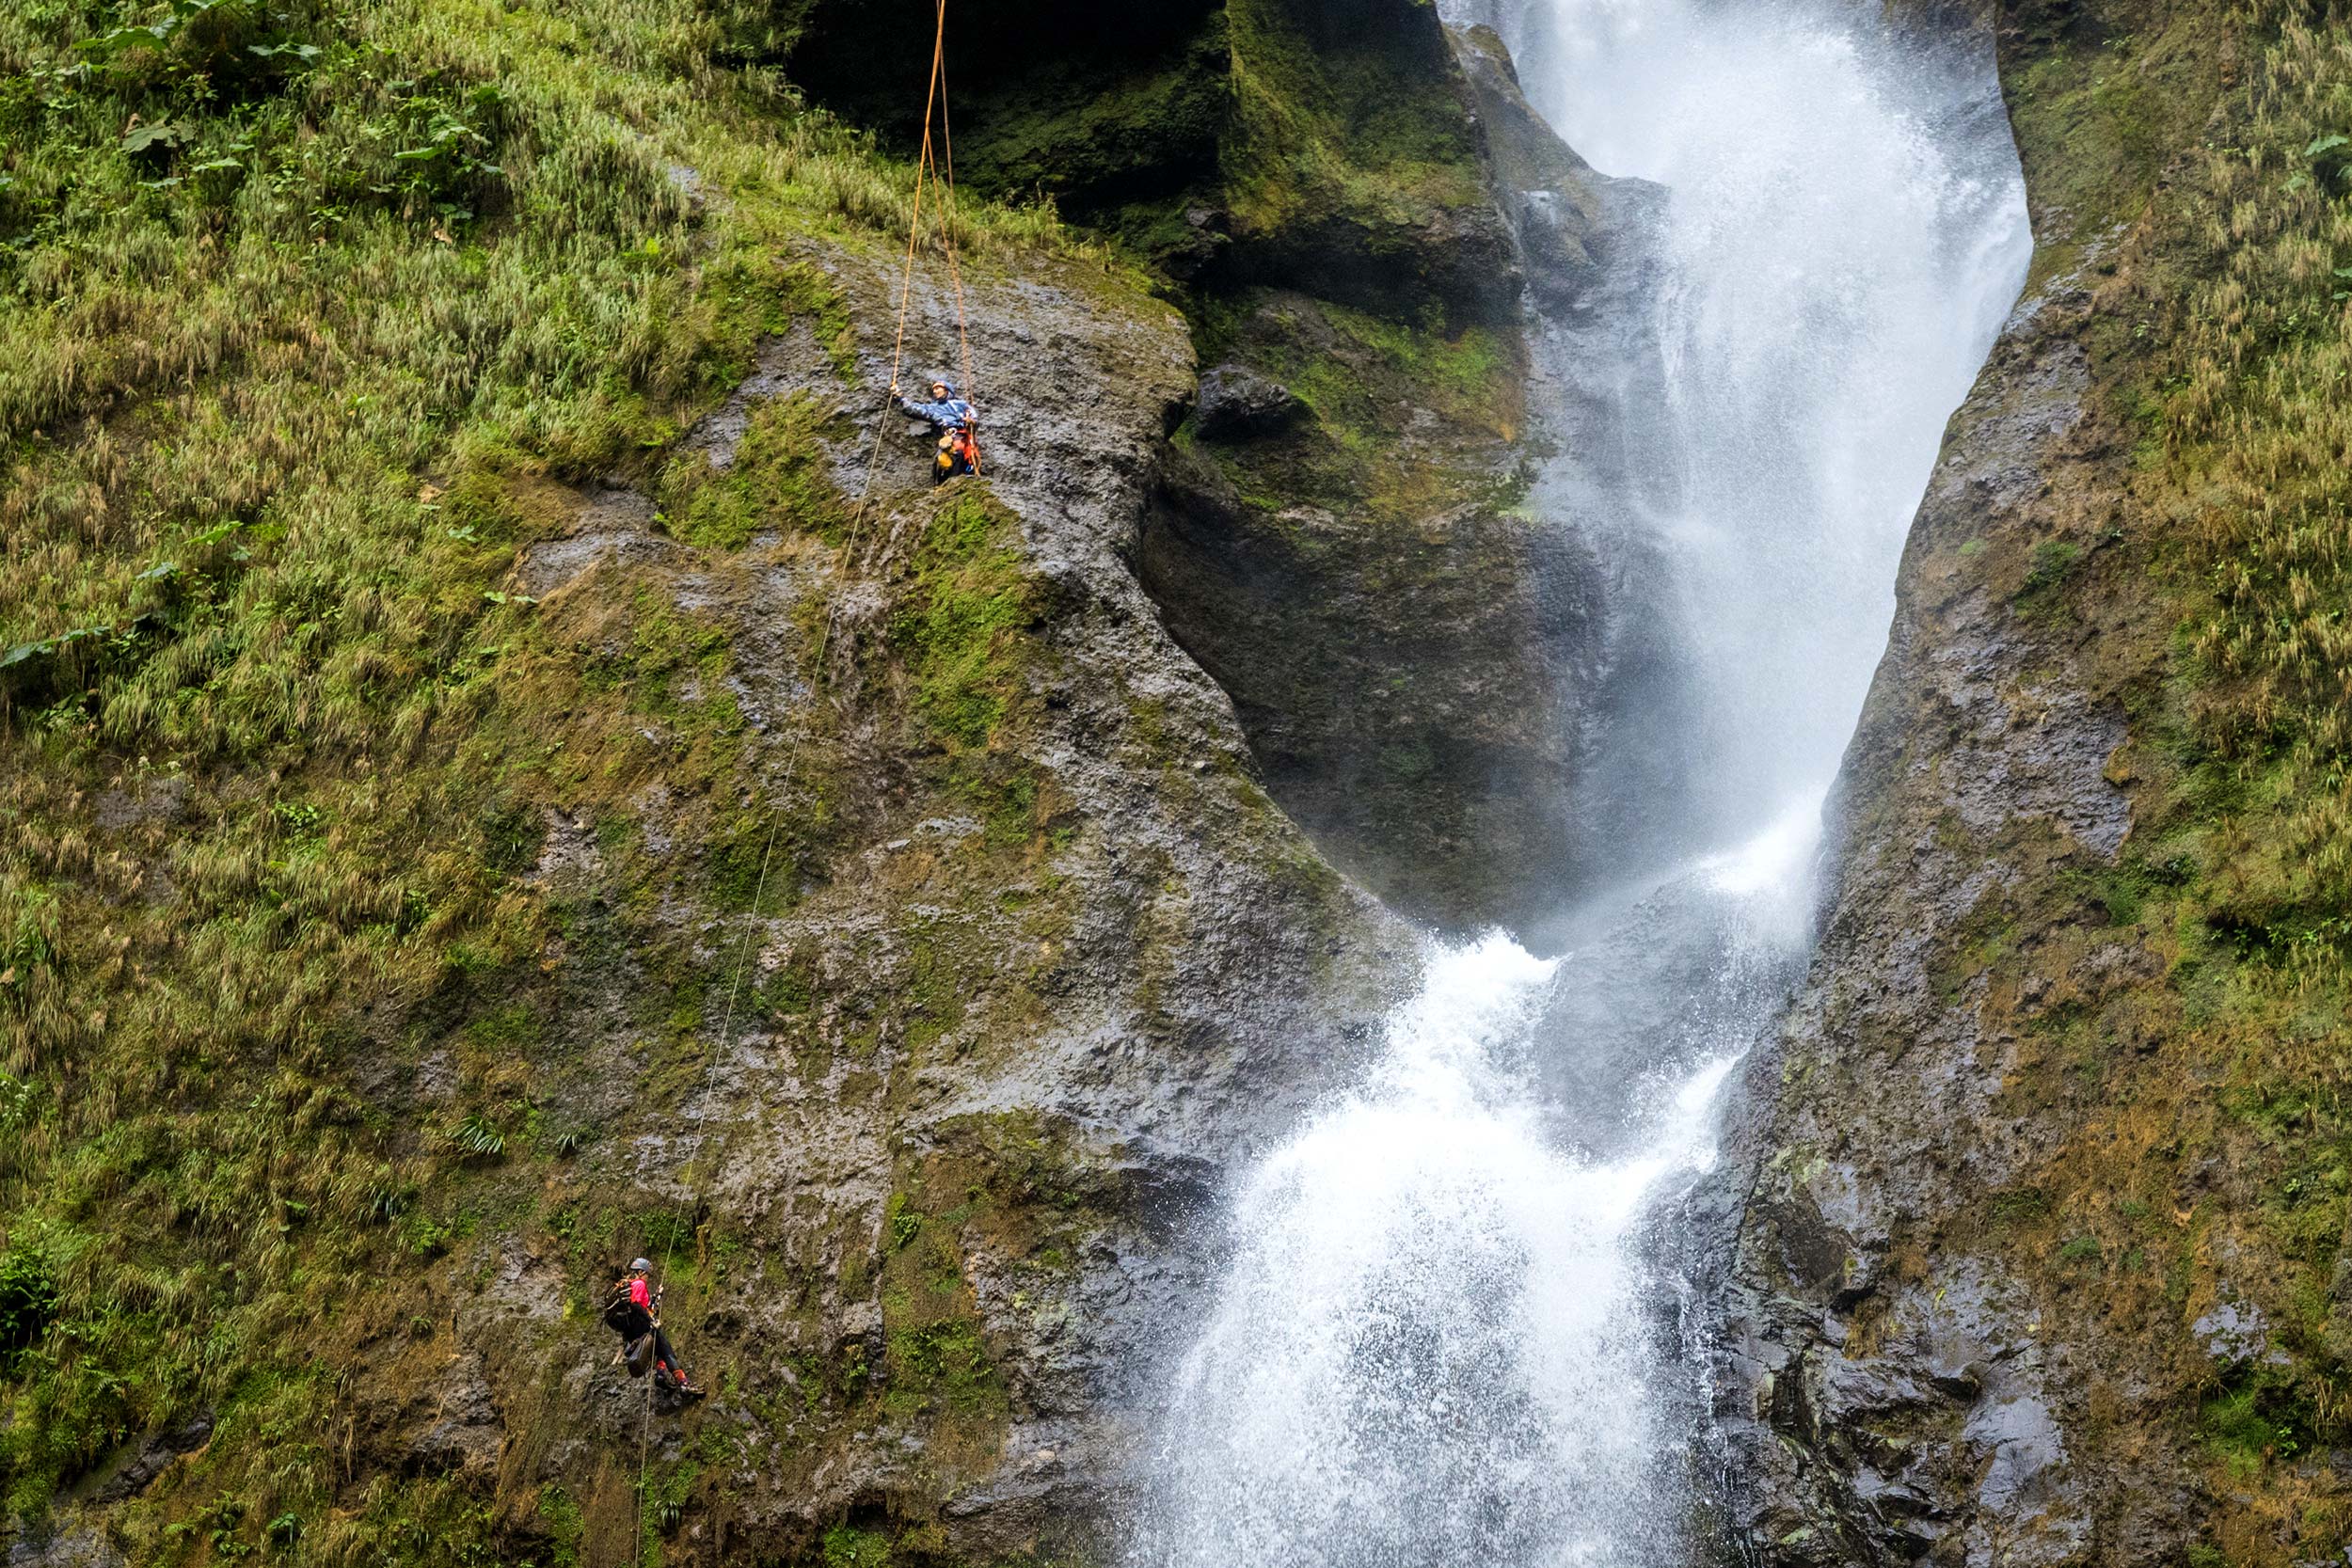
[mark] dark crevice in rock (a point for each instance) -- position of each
(1402, 690)
(1097, 106)
(1454, 661)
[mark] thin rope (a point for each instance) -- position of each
(645, 1446)
(927, 169)
(955, 265)
(925, 166)
(922, 168)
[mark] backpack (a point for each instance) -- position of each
(622, 1314)
(959, 454)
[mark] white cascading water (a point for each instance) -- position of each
(1435, 1343)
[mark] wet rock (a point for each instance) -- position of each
(82, 1547)
(461, 1431)
(153, 1457)
(1442, 792)
(1426, 680)
(1555, 201)
(2233, 1334)
(1876, 1140)
(615, 527)
(155, 799)
(1237, 402)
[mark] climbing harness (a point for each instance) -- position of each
(934, 169)
(959, 454)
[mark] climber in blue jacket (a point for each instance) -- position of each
(956, 420)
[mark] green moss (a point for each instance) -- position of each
(1123, 144)
(662, 1504)
(2018, 1206)
(1357, 139)
(791, 991)
(2260, 1420)
(960, 626)
(2096, 120)
(2052, 560)
(778, 481)
(567, 1526)
(1355, 371)
(756, 861)
(932, 997)
(901, 1223)
(847, 1547)
(1463, 374)
(943, 1366)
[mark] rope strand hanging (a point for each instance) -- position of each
(928, 172)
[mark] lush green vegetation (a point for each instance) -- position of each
(2203, 186)
(2255, 426)
(316, 314)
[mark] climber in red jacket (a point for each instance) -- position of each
(631, 1310)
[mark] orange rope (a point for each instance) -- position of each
(926, 168)
(923, 171)
(948, 227)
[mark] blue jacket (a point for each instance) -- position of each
(953, 413)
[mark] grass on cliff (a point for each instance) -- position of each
(2255, 416)
(314, 312)
(2215, 1161)
(2261, 412)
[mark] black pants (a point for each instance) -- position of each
(636, 1347)
(664, 1358)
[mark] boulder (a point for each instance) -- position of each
(1238, 401)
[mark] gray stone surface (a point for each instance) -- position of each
(1213, 975)
(1884, 1390)
(1235, 400)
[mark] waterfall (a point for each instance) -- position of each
(1438, 1339)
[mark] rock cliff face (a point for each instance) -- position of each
(1060, 958)
(1881, 1319)
(2026, 1264)
(1420, 665)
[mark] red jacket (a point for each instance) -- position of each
(642, 1294)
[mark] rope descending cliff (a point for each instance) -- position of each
(934, 174)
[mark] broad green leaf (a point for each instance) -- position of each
(129, 38)
(162, 133)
